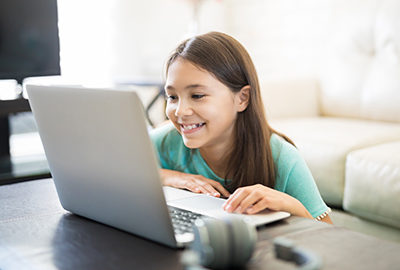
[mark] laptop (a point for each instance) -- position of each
(105, 168)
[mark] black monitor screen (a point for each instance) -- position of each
(29, 42)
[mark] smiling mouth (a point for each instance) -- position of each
(191, 127)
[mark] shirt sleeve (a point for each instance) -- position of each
(294, 178)
(301, 185)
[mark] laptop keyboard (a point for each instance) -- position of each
(182, 220)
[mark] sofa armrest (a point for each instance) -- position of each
(291, 98)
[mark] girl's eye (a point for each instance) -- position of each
(171, 97)
(197, 96)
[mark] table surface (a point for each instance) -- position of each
(37, 233)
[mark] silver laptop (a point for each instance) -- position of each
(105, 168)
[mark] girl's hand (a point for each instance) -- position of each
(253, 199)
(194, 183)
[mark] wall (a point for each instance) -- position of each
(147, 32)
(125, 40)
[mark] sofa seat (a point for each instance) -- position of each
(372, 185)
(325, 142)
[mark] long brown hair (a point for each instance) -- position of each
(250, 159)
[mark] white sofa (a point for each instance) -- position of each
(346, 122)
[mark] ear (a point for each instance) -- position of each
(242, 98)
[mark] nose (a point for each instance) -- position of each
(183, 108)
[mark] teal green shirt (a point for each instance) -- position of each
(292, 174)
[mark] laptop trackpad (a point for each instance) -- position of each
(199, 203)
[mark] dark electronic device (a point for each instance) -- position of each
(29, 41)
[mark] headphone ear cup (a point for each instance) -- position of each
(210, 243)
(243, 238)
(224, 243)
(219, 242)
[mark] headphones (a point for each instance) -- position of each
(229, 243)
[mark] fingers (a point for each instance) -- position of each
(195, 184)
(191, 186)
(192, 182)
(257, 207)
(196, 187)
(219, 188)
(235, 199)
(213, 187)
(210, 189)
(246, 200)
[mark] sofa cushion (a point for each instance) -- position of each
(372, 188)
(361, 74)
(324, 142)
(303, 102)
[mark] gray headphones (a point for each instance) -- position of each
(226, 243)
(229, 243)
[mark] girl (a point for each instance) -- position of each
(219, 141)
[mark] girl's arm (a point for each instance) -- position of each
(194, 183)
(253, 199)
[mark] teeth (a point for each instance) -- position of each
(189, 127)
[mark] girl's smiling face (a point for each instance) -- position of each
(202, 108)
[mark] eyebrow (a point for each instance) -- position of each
(190, 86)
